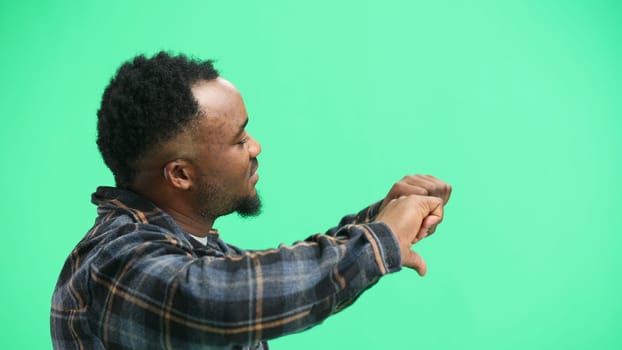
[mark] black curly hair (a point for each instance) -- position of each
(148, 101)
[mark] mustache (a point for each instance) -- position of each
(254, 166)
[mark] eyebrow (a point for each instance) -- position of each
(242, 127)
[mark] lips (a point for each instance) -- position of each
(254, 167)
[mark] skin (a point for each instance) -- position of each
(209, 169)
(419, 200)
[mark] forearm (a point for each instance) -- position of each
(364, 216)
(259, 295)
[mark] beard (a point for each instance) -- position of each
(249, 206)
(214, 201)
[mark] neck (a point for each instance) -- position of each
(178, 206)
(191, 223)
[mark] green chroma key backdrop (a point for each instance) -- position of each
(517, 104)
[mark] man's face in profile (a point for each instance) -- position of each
(226, 155)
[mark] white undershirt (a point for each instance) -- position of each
(202, 240)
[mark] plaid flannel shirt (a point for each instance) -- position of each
(138, 281)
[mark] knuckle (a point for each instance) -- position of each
(400, 184)
(406, 180)
(420, 191)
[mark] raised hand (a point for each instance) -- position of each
(423, 185)
(412, 218)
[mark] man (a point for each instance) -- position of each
(153, 272)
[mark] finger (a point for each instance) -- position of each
(436, 207)
(404, 188)
(401, 189)
(435, 187)
(442, 189)
(416, 262)
(424, 233)
(428, 226)
(420, 181)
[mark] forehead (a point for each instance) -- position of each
(217, 97)
(221, 105)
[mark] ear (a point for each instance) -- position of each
(179, 173)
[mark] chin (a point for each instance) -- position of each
(249, 206)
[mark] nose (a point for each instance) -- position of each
(254, 147)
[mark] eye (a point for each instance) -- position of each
(243, 141)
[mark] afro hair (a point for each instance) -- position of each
(147, 102)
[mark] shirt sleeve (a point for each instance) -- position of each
(365, 216)
(153, 288)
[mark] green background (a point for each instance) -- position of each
(517, 104)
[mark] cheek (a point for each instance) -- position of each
(235, 168)
(229, 166)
